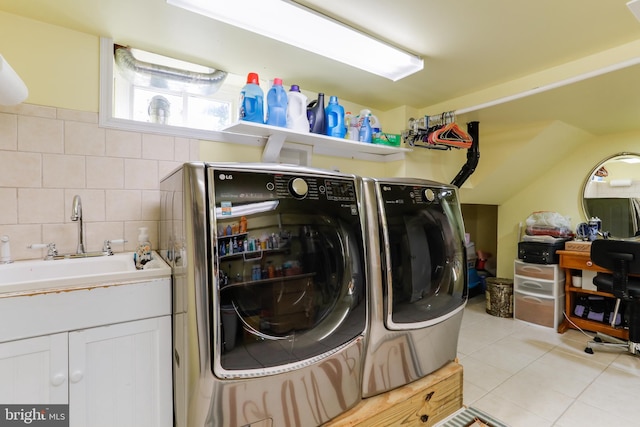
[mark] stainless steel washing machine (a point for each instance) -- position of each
(417, 280)
(269, 293)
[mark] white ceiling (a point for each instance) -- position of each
(469, 47)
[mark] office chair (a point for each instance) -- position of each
(622, 258)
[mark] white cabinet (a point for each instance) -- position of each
(538, 293)
(104, 350)
(34, 370)
(120, 375)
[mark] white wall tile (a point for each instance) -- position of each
(84, 138)
(8, 132)
(30, 110)
(20, 169)
(65, 236)
(22, 235)
(123, 144)
(98, 232)
(182, 150)
(61, 171)
(158, 147)
(105, 172)
(151, 205)
(141, 174)
(8, 206)
(123, 205)
(41, 135)
(40, 206)
(77, 116)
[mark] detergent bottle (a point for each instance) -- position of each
(316, 115)
(297, 110)
(334, 117)
(365, 130)
(352, 123)
(252, 100)
(277, 104)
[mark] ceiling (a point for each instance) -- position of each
(474, 52)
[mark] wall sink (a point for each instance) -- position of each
(41, 275)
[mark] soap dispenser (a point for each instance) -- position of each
(5, 250)
(143, 251)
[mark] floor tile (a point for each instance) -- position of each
(528, 375)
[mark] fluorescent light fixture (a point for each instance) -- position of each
(296, 25)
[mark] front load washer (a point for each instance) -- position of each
(417, 280)
(269, 285)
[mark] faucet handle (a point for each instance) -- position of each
(51, 249)
(106, 247)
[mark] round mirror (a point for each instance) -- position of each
(611, 192)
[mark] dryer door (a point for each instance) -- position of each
(423, 237)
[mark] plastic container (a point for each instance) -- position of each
(334, 116)
(277, 104)
(252, 100)
(316, 115)
(352, 125)
(365, 134)
(143, 251)
(297, 110)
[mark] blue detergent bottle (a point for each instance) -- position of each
(334, 117)
(252, 100)
(365, 130)
(277, 104)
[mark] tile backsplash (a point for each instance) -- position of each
(48, 155)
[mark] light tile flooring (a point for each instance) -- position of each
(529, 375)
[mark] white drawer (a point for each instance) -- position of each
(537, 271)
(546, 288)
(539, 310)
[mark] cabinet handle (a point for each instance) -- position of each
(77, 376)
(58, 379)
(589, 264)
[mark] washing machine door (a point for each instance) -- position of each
(423, 247)
(289, 269)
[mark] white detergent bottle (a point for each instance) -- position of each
(143, 251)
(297, 110)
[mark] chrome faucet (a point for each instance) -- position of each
(76, 215)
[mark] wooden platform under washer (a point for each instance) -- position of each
(423, 403)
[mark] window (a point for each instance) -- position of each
(151, 92)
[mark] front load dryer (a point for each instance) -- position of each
(417, 280)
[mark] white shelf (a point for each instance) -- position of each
(321, 144)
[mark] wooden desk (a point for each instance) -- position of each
(574, 260)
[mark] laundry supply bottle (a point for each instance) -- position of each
(297, 110)
(334, 116)
(353, 129)
(277, 104)
(252, 100)
(143, 251)
(316, 115)
(365, 130)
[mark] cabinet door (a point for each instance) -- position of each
(34, 370)
(120, 375)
